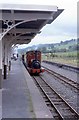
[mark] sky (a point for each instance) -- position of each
(63, 28)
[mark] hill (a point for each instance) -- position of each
(68, 45)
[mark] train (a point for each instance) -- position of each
(32, 61)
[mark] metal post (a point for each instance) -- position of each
(0, 78)
(0, 64)
(9, 65)
(9, 57)
(5, 71)
(5, 61)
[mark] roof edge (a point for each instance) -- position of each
(29, 7)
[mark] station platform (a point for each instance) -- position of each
(20, 96)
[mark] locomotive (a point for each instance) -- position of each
(33, 62)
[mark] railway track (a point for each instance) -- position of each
(63, 78)
(64, 66)
(59, 107)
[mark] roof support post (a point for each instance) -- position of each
(0, 59)
(9, 57)
(5, 59)
(0, 64)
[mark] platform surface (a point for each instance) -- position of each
(20, 96)
(16, 101)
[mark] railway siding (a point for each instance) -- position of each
(69, 74)
(64, 66)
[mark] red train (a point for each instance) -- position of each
(33, 62)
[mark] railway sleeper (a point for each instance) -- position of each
(44, 96)
(51, 93)
(71, 116)
(48, 93)
(57, 103)
(54, 113)
(45, 88)
(62, 107)
(55, 100)
(46, 100)
(66, 112)
(77, 108)
(48, 104)
(56, 117)
(44, 85)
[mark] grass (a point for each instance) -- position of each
(69, 58)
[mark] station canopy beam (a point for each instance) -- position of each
(21, 23)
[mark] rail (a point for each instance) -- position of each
(72, 68)
(63, 78)
(62, 108)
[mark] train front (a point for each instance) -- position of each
(34, 62)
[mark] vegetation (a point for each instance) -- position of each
(62, 57)
(66, 52)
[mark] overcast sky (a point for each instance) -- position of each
(63, 28)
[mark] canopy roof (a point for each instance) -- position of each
(21, 23)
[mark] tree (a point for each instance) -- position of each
(44, 49)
